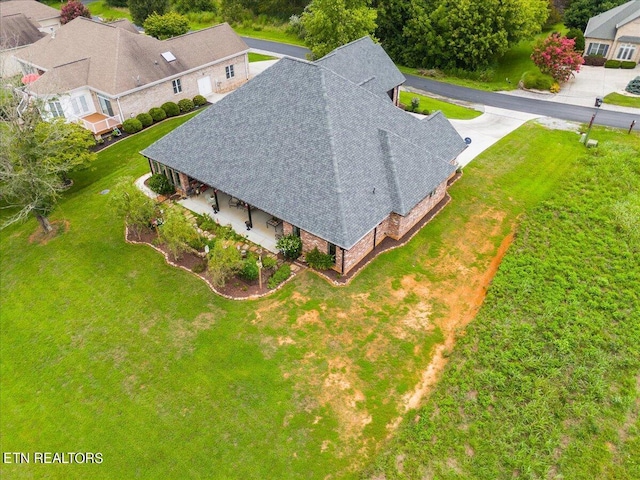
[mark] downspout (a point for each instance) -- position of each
(342, 260)
(375, 232)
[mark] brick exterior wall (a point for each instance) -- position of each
(143, 100)
(399, 225)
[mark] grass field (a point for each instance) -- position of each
(450, 110)
(258, 57)
(546, 381)
(622, 100)
(105, 348)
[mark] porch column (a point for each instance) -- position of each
(216, 208)
(250, 222)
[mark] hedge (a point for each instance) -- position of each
(537, 81)
(132, 125)
(157, 114)
(594, 60)
(199, 100)
(612, 64)
(171, 109)
(145, 119)
(160, 184)
(626, 64)
(185, 105)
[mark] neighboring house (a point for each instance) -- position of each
(336, 161)
(615, 34)
(22, 22)
(101, 74)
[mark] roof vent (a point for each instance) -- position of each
(168, 56)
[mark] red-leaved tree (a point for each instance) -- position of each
(73, 9)
(556, 56)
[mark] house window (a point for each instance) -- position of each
(177, 86)
(626, 52)
(56, 109)
(332, 251)
(296, 231)
(79, 105)
(598, 49)
(105, 106)
(229, 71)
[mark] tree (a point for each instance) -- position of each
(332, 23)
(176, 232)
(392, 17)
(224, 261)
(141, 9)
(117, 3)
(35, 158)
(579, 12)
(166, 26)
(467, 34)
(73, 9)
(135, 207)
(556, 56)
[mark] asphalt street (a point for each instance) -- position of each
(563, 111)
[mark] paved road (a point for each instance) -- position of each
(563, 111)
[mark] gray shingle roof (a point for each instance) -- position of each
(17, 31)
(29, 8)
(306, 145)
(120, 59)
(364, 63)
(605, 25)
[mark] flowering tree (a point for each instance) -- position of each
(73, 9)
(556, 56)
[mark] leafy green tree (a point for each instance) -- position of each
(141, 9)
(579, 12)
(186, 6)
(135, 207)
(332, 23)
(165, 26)
(117, 3)
(468, 34)
(392, 17)
(35, 158)
(224, 261)
(176, 232)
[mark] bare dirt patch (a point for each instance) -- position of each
(41, 237)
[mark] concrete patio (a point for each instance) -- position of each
(261, 233)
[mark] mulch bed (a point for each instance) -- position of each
(236, 287)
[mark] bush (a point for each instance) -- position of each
(186, 6)
(250, 270)
(612, 64)
(628, 65)
(132, 125)
(290, 246)
(634, 86)
(594, 60)
(415, 103)
(157, 114)
(197, 243)
(269, 263)
(577, 35)
(318, 260)
(199, 267)
(185, 105)
(199, 100)
(72, 10)
(145, 119)
(537, 81)
(160, 184)
(171, 109)
(224, 261)
(280, 276)
(169, 25)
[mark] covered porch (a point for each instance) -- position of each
(265, 230)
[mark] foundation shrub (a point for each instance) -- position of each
(145, 119)
(280, 276)
(157, 114)
(318, 260)
(185, 105)
(132, 125)
(171, 109)
(199, 100)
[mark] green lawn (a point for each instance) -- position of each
(431, 104)
(622, 100)
(258, 57)
(106, 348)
(544, 383)
(107, 13)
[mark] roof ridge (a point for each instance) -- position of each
(334, 159)
(390, 169)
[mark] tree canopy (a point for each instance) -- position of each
(165, 26)
(466, 34)
(331, 23)
(35, 157)
(141, 9)
(579, 12)
(72, 10)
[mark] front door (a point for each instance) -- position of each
(105, 106)
(204, 85)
